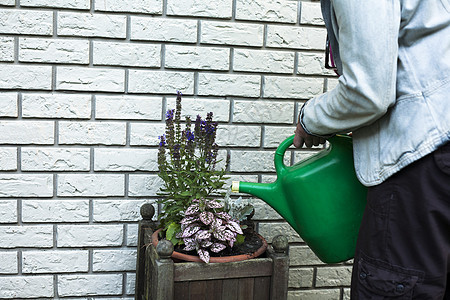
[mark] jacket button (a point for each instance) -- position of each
(363, 275)
(400, 288)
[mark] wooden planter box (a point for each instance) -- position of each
(159, 277)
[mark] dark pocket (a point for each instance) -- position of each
(442, 158)
(382, 281)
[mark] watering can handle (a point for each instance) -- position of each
(280, 167)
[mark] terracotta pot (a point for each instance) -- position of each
(222, 259)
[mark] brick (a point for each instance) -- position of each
(143, 185)
(26, 236)
(226, 33)
(132, 234)
(90, 185)
(60, 261)
(238, 136)
(75, 4)
(346, 294)
(294, 37)
(90, 133)
(133, 6)
(125, 159)
(263, 211)
(171, 30)
(26, 132)
(54, 50)
(8, 211)
(127, 54)
(115, 211)
(198, 8)
(202, 58)
(90, 285)
(146, 134)
(70, 106)
(311, 13)
(130, 284)
(251, 161)
(55, 159)
(301, 277)
(267, 11)
(271, 230)
(114, 260)
(8, 159)
(20, 185)
(8, 2)
(55, 211)
(26, 287)
(8, 105)
(292, 87)
(333, 276)
(332, 83)
(91, 25)
(263, 112)
(25, 77)
(312, 64)
(90, 79)
(263, 61)
(6, 49)
(303, 256)
(229, 85)
(89, 235)
(194, 107)
(128, 107)
(157, 82)
(274, 135)
(9, 263)
(316, 294)
(31, 22)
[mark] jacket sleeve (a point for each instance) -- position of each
(367, 32)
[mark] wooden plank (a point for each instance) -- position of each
(200, 271)
(197, 290)
(181, 290)
(261, 288)
(213, 289)
(245, 288)
(229, 290)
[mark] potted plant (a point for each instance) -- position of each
(203, 226)
(195, 216)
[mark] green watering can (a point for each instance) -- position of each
(320, 197)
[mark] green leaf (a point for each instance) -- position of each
(172, 230)
(240, 238)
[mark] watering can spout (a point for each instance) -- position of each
(269, 193)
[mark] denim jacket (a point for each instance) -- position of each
(394, 91)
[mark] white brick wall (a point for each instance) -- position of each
(84, 86)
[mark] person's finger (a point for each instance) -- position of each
(298, 140)
(316, 140)
(308, 141)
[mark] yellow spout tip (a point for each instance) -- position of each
(235, 187)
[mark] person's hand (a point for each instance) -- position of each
(301, 137)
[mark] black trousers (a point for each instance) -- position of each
(403, 248)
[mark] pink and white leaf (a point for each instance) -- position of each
(193, 209)
(206, 217)
(203, 235)
(188, 220)
(203, 254)
(219, 233)
(190, 244)
(214, 204)
(223, 215)
(190, 230)
(234, 226)
(217, 247)
(205, 243)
